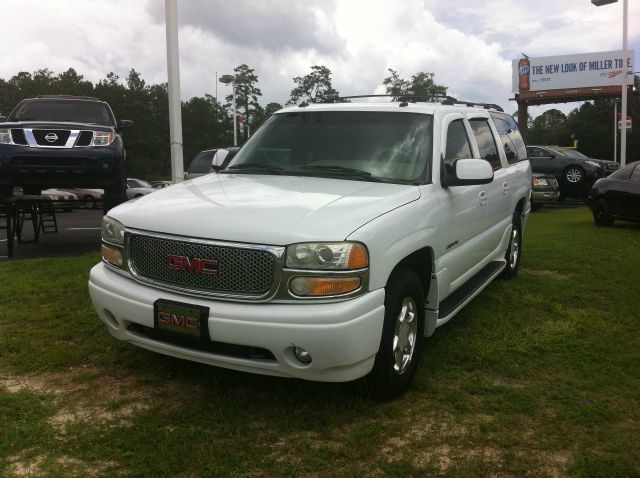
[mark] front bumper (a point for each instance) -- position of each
(540, 196)
(61, 167)
(342, 337)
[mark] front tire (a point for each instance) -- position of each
(514, 251)
(402, 337)
(574, 175)
(600, 215)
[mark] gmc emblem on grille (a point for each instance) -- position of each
(200, 266)
(183, 321)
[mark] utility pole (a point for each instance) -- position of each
(623, 130)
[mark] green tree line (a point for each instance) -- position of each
(208, 123)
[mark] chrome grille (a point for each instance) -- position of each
(239, 270)
(61, 136)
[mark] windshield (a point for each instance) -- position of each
(201, 164)
(89, 112)
(361, 145)
(138, 183)
(572, 153)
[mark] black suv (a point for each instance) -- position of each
(63, 142)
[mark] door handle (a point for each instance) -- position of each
(483, 198)
(505, 188)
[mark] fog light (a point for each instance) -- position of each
(301, 354)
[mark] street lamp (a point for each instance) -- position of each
(623, 130)
(233, 79)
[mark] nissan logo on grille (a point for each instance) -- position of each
(51, 137)
(200, 266)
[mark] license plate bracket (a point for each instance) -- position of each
(181, 320)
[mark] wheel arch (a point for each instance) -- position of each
(420, 261)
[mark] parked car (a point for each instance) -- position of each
(210, 160)
(617, 196)
(64, 199)
(607, 166)
(137, 188)
(544, 190)
(89, 197)
(575, 175)
(331, 245)
(63, 141)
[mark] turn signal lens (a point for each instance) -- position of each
(358, 257)
(323, 286)
(112, 255)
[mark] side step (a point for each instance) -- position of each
(462, 296)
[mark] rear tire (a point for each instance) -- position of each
(514, 251)
(402, 337)
(89, 202)
(600, 215)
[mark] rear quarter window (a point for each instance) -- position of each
(510, 137)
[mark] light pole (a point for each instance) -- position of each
(226, 79)
(623, 113)
(175, 104)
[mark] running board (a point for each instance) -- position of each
(462, 296)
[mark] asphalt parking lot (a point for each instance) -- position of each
(78, 233)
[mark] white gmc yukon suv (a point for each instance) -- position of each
(335, 241)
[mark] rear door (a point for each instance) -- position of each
(499, 191)
(465, 206)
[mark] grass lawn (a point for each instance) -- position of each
(539, 376)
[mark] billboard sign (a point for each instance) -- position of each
(603, 68)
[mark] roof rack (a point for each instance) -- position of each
(444, 99)
(486, 106)
(68, 97)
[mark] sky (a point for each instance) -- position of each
(467, 44)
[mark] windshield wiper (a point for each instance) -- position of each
(346, 171)
(257, 166)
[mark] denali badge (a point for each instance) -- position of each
(51, 137)
(201, 266)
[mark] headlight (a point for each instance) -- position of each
(327, 256)
(540, 182)
(5, 136)
(593, 163)
(103, 138)
(112, 231)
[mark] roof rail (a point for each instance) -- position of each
(412, 98)
(444, 99)
(486, 106)
(68, 97)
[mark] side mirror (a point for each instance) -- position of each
(124, 124)
(468, 172)
(3, 119)
(218, 159)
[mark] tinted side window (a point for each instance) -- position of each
(537, 153)
(201, 163)
(458, 146)
(507, 143)
(486, 142)
(510, 137)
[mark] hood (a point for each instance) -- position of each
(263, 209)
(55, 125)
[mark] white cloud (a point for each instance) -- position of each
(467, 44)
